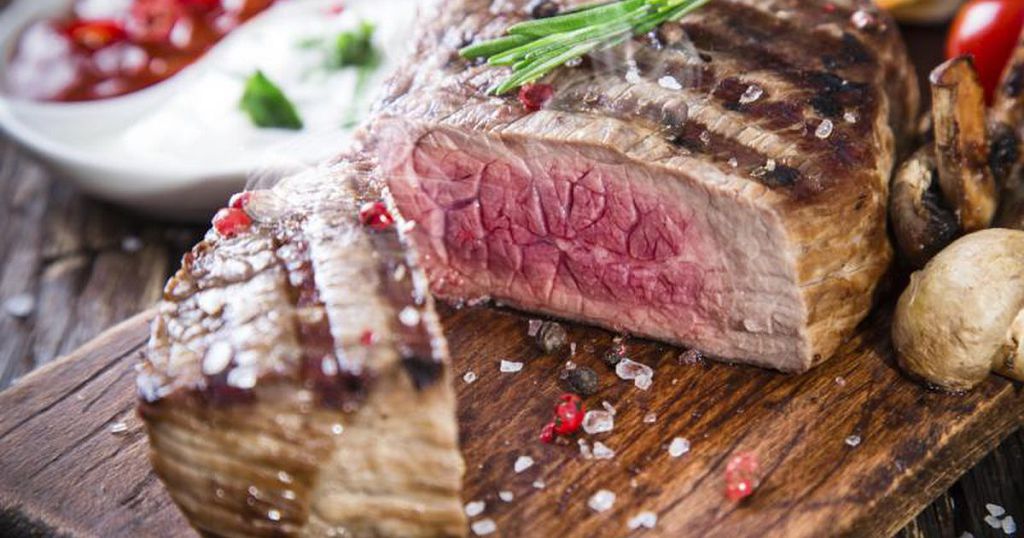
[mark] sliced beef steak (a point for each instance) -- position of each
(720, 184)
(297, 381)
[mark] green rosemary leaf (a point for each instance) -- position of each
(486, 49)
(537, 47)
(576, 20)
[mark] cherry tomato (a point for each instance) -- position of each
(987, 30)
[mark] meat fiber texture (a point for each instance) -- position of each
(297, 382)
(720, 184)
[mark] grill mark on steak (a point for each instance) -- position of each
(397, 287)
(340, 381)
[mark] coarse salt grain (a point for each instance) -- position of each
(20, 306)
(733, 162)
(850, 117)
(646, 520)
(995, 509)
(841, 381)
(118, 427)
(538, 484)
(585, 449)
(522, 463)
(608, 407)
(484, 527)
(678, 447)
(650, 418)
(337, 429)
(853, 440)
(669, 83)
(601, 501)
(409, 316)
(533, 326)
(506, 496)
(752, 93)
(475, 508)
(603, 451)
(824, 129)
(469, 377)
(274, 515)
(639, 373)
(633, 76)
(598, 422)
(217, 357)
(993, 521)
(511, 366)
(131, 243)
(1009, 525)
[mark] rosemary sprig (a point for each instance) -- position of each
(535, 48)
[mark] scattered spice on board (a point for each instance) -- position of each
(601, 501)
(582, 380)
(742, 476)
(551, 337)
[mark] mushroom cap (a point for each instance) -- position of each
(951, 322)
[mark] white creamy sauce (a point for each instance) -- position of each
(201, 126)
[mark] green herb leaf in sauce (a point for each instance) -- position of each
(267, 105)
(354, 48)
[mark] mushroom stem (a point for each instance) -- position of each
(1010, 362)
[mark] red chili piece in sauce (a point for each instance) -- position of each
(96, 34)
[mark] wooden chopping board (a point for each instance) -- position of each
(66, 469)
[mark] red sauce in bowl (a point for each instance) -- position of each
(136, 44)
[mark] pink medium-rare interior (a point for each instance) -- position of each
(582, 233)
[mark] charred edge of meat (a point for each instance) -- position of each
(851, 52)
(961, 143)
(1008, 107)
(922, 222)
(1004, 151)
(423, 371)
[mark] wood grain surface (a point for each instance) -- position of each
(75, 453)
(87, 266)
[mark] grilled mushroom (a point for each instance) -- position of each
(961, 143)
(963, 315)
(1007, 158)
(922, 222)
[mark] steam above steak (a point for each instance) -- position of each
(720, 184)
(297, 382)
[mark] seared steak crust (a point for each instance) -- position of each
(754, 140)
(297, 382)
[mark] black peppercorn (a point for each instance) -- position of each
(582, 380)
(551, 337)
(614, 354)
(542, 9)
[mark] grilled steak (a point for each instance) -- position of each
(297, 382)
(721, 183)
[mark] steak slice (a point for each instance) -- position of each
(720, 184)
(297, 381)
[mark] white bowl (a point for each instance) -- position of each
(101, 145)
